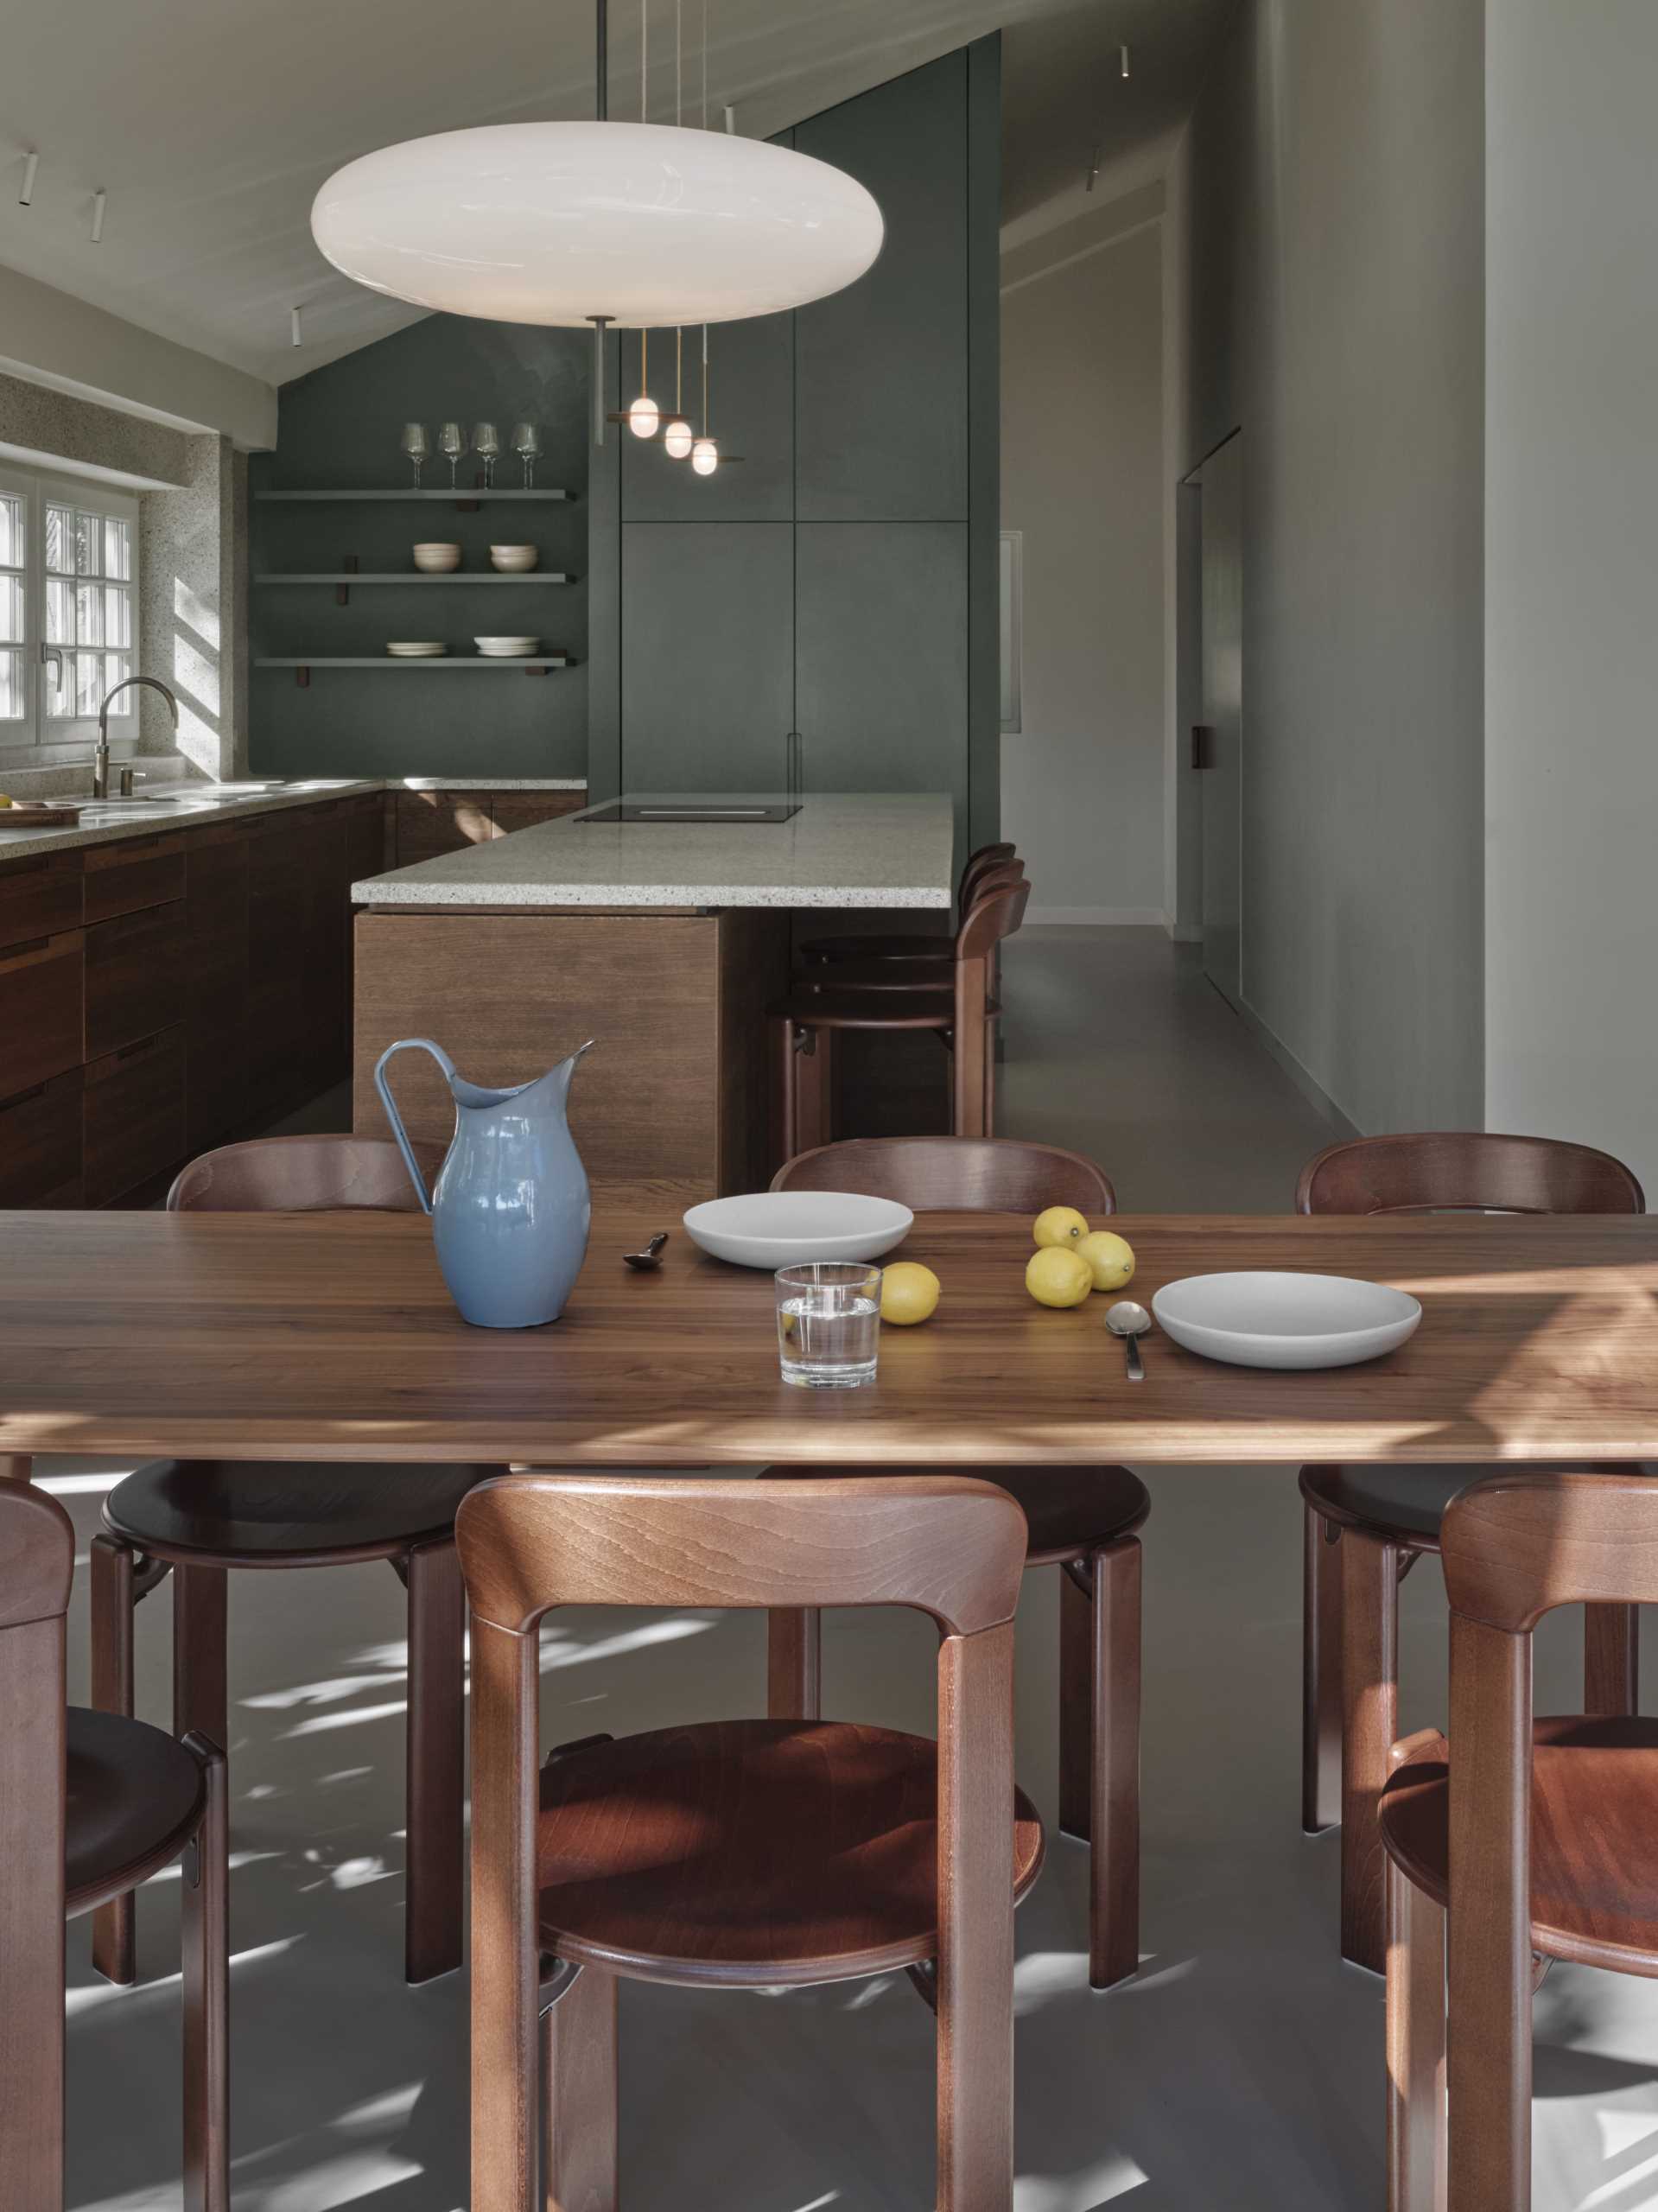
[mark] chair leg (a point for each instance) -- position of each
(794, 1664)
(578, 2095)
(1321, 1673)
(114, 1934)
(1369, 1718)
(1416, 2042)
(1611, 1659)
(204, 1939)
(1099, 1747)
(437, 1761)
(200, 1696)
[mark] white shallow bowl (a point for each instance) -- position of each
(437, 560)
(507, 648)
(513, 558)
(779, 1229)
(1271, 1319)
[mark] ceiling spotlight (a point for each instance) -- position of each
(1123, 53)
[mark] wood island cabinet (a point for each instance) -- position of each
(162, 994)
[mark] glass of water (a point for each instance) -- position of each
(829, 1324)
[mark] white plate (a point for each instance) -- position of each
(778, 1229)
(417, 650)
(505, 648)
(1270, 1319)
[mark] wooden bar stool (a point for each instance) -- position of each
(198, 1519)
(955, 1005)
(1083, 1519)
(737, 1854)
(90, 1804)
(912, 944)
(1524, 1841)
(1366, 1526)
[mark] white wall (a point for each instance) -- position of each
(1081, 785)
(55, 339)
(1571, 565)
(1332, 178)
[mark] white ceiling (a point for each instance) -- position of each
(212, 123)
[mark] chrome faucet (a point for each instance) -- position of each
(101, 756)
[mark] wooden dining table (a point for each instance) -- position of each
(331, 1336)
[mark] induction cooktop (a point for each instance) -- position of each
(692, 810)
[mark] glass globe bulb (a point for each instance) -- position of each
(643, 416)
(677, 439)
(705, 456)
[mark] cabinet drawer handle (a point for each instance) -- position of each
(132, 1052)
(22, 1097)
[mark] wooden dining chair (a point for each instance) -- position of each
(1083, 1519)
(745, 1854)
(1365, 1527)
(90, 1803)
(954, 1002)
(1523, 1841)
(198, 1518)
(911, 945)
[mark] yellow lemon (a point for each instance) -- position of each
(1059, 1225)
(4, 801)
(909, 1292)
(1058, 1277)
(1110, 1257)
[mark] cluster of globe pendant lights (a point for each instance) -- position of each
(618, 226)
(679, 441)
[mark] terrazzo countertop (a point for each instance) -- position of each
(843, 849)
(104, 824)
(186, 803)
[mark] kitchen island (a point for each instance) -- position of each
(662, 938)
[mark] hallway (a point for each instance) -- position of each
(1243, 2070)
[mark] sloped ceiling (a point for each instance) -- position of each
(212, 123)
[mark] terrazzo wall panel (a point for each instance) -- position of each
(191, 628)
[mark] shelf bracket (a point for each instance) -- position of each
(302, 677)
(342, 592)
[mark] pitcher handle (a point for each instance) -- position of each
(404, 1045)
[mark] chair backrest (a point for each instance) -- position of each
(37, 1555)
(1469, 1171)
(320, 1174)
(988, 861)
(1518, 1545)
(997, 911)
(954, 1174)
(941, 1544)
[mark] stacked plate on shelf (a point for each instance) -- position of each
(507, 648)
(419, 649)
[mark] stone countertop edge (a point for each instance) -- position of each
(842, 849)
(22, 844)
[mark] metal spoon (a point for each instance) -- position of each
(652, 1256)
(1130, 1322)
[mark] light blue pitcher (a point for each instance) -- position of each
(511, 1210)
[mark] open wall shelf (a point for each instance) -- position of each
(462, 495)
(530, 665)
(412, 576)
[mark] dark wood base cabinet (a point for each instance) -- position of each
(162, 995)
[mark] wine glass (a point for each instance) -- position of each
(486, 443)
(416, 445)
(451, 443)
(526, 443)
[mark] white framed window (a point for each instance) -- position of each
(68, 613)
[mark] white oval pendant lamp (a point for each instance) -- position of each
(633, 225)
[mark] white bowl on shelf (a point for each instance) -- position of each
(513, 560)
(507, 648)
(436, 560)
(1268, 1319)
(417, 649)
(780, 1229)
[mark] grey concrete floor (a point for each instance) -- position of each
(1242, 2069)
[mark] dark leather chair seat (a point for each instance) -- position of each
(272, 1510)
(749, 1852)
(135, 1795)
(1403, 1504)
